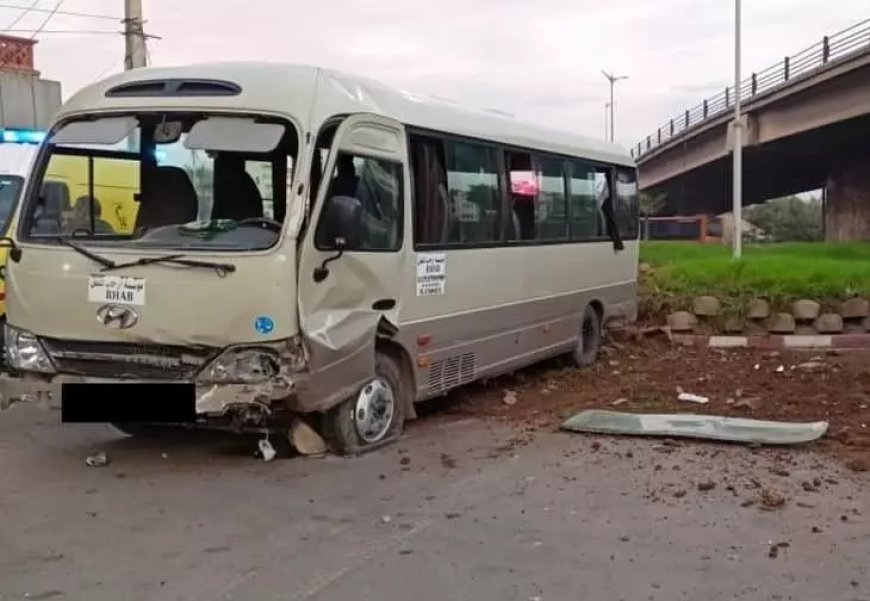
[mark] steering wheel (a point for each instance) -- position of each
(263, 221)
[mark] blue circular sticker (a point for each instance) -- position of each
(264, 325)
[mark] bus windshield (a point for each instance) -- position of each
(10, 187)
(164, 180)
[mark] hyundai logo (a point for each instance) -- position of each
(117, 317)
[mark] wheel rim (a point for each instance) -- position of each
(374, 410)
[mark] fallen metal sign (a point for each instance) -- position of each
(711, 427)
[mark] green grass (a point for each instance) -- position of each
(780, 272)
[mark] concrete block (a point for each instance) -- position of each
(758, 308)
(681, 321)
(805, 310)
(855, 308)
(781, 323)
(706, 306)
(829, 323)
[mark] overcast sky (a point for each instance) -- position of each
(538, 59)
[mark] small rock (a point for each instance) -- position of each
(752, 403)
(618, 402)
(510, 397)
(805, 310)
(706, 306)
(596, 446)
(679, 494)
(758, 308)
(858, 465)
(781, 323)
(829, 323)
(405, 461)
(774, 549)
(855, 308)
(808, 487)
(624, 539)
(780, 472)
(681, 321)
(816, 530)
(386, 519)
(97, 460)
(771, 499)
(305, 439)
(707, 485)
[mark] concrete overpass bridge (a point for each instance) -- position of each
(807, 126)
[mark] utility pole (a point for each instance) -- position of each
(737, 192)
(136, 54)
(612, 79)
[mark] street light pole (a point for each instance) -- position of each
(612, 79)
(737, 192)
(606, 113)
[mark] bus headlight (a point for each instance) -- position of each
(243, 365)
(24, 352)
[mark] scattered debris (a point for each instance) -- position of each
(693, 398)
(97, 460)
(305, 439)
(771, 499)
(706, 485)
(618, 402)
(386, 519)
(752, 403)
(510, 397)
(405, 460)
(710, 427)
(809, 487)
(811, 366)
(780, 369)
(267, 451)
(773, 553)
(779, 471)
(679, 494)
(816, 530)
(858, 464)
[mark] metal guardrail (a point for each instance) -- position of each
(831, 49)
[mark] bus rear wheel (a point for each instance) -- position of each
(375, 415)
(589, 342)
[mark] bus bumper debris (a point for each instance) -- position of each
(710, 427)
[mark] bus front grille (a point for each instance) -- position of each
(124, 360)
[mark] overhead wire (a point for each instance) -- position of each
(37, 30)
(23, 13)
(32, 9)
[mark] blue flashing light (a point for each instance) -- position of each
(22, 136)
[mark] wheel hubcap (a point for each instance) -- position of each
(374, 410)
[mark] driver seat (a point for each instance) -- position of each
(236, 196)
(172, 200)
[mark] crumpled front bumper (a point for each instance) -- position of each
(211, 399)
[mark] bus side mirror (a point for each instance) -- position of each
(340, 228)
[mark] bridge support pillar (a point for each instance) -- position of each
(847, 207)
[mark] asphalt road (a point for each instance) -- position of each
(456, 510)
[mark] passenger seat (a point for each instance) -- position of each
(171, 200)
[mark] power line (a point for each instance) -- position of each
(23, 14)
(37, 30)
(58, 12)
(83, 31)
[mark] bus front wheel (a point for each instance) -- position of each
(589, 342)
(375, 415)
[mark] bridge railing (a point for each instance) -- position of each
(821, 55)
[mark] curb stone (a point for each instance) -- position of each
(835, 341)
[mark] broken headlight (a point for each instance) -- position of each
(243, 365)
(24, 352)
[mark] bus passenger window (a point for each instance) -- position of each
(473, 191)
(378, 187)
(551, 211)
(586, 220)
(431, 204)
(626, 203)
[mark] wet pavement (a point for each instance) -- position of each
(461, 508)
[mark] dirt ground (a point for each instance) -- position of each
(647, 377)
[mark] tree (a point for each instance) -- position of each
(789, 219)
(651, 204)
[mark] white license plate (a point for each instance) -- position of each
(120, 289)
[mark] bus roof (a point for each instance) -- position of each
(289, 88)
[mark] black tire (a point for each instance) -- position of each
(342, 426)
(589, 341)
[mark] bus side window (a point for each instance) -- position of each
(378, 187)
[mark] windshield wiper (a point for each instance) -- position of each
(106, 263)
(177, 259)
